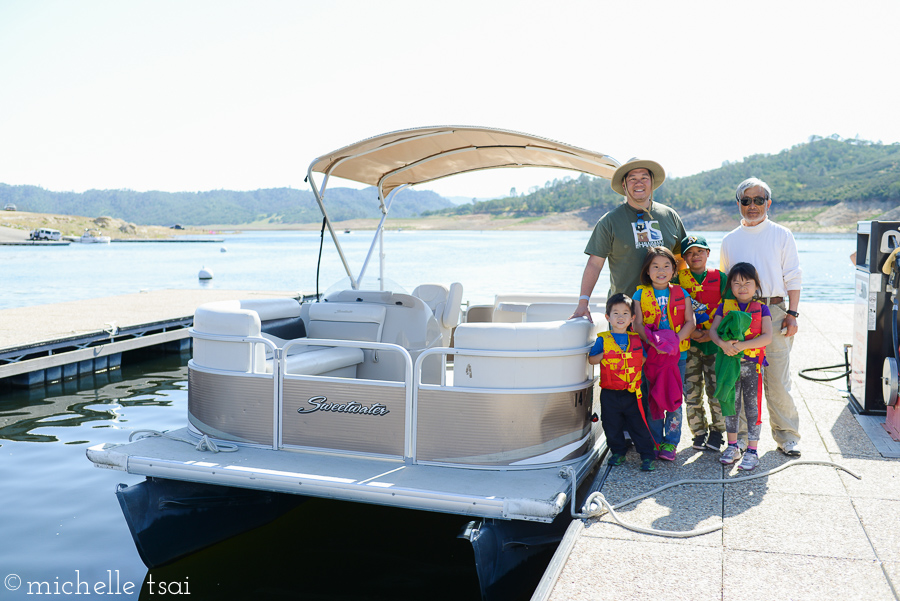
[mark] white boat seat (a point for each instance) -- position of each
(445, 303)
(229, 319)
(324, 361)
(557, 311)
(272, 308)
(511, 307)
(240, 318)
(472, 371)
(346, 321)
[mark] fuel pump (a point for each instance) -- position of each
(874, 316)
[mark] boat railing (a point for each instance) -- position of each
(444, 434)
(443, 394)
(255, 369)
(231, 338)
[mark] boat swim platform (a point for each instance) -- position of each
(44, 343)
(807, 532)
(534, 493)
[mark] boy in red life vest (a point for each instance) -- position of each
(707, 288)
(620, 354)
(743, 281)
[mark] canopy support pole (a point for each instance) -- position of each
(319, 199)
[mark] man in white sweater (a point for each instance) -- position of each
(771, 249)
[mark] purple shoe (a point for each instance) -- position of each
(666, 452)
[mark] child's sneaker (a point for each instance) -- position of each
(731, 454)
(700, 441)
(648, 465)
(666, 452)
(751, 460)
(616, 459)
(715, 440)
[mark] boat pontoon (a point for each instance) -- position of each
(360, 397)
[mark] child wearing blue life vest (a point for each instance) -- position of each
(664, 306)
(743, 281)
(620, 355)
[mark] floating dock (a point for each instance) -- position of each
(46, 343)
(807, 532)
(36, 243)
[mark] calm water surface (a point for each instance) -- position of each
(484, 262)
(59, 518)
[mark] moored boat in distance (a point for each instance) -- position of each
(94, 236)
(361, 397)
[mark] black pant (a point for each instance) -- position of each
(619, 411)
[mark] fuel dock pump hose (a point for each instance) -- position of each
(804, 373)
(596, 504)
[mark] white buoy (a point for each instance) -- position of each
(223, 249)
(205, 274)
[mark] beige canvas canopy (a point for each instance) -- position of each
(408, 157)
(415, 156)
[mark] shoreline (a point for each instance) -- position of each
(15, 226)
(557, 222)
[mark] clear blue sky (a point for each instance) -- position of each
(211, 94)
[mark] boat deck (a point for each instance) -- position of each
(807, 532)
(527, 494)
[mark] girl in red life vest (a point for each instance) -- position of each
(621, 356)
(744, 284)
(664, 306)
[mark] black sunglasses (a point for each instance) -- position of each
(757, 200)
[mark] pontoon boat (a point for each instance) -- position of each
(360, 397)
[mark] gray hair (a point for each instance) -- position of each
(751, 182)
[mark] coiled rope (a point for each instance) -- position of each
(595, 504)
(204, 444)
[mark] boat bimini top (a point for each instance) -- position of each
(393, 161)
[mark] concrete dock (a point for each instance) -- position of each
(77, 332)
(807, 532)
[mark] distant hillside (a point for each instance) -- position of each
(806, 180)
(223, 207)
(828, 170)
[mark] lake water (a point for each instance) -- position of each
(484, 262)
(59, 518)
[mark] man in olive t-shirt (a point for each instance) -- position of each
(623, 235)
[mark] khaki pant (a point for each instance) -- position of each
(783, 416)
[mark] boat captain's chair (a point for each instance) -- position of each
(445, 303)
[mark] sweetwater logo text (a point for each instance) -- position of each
(320, 403)
(112, 585)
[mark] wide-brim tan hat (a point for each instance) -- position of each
(655, 169)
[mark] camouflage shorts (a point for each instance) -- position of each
(700, 374)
